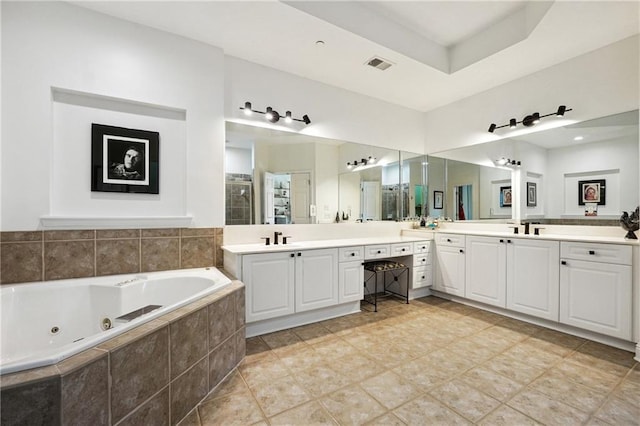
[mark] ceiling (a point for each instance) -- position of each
(440, 51)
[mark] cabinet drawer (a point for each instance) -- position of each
(377, 251)
(401, 249)
(421, 277)
(421, 247)
(347, 254)
(421, 260)
(452, 240)
(607, 253)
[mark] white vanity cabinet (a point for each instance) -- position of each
(450, 275)
(421, 273)
(533, 277)
(517, 273)
(316, 283)
(350, 274)
(596, 288)
(284, 283)
(269, 280)
(486, 270)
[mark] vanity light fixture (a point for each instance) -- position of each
(508, 162)
(530, 120)
(362, 162)
(273, 116)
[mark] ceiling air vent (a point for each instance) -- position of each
(379, 63)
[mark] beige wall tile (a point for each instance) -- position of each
(197, 252)
(139, 370)
(68, 259)
(117, 233)
(188, 389)
(69, 235)
(160, 254)
(198, 232)
(153, 412)
(34, 404)
(20, 262)
(188, 341)
(117, 257)
(221, 361)
(85, 394)
(163, 232)
(221, 320)
(21, 236)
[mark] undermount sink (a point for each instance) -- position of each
(280, 246)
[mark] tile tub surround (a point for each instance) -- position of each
(429, 362)
(53, 255)
(153, 374)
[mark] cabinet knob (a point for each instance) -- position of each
(292, 255)
(379, 252)
(508, 241)
(591, 252)
(353, 254)
(448, 240)
(461, 251)
(299, 253)
(423, 277)
(563, 262)
(502, 241)
(403, 249)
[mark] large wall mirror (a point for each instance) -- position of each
(279, 177)
(586, 171)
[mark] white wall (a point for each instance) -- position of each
(335, 113)
(238, 160)
(597, 84)
(57, 45)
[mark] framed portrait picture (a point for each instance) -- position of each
(532, 194)
(592, 191)
(505, 196)
(437, 199)
(124, 160)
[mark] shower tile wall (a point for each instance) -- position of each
(238, 199)
(53, 255)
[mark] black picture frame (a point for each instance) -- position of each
(124, 160)
(505, 196)
(532, 194)
(438, 197)
(592, 191)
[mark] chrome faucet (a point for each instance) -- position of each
(275, 237)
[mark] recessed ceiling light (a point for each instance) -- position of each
(320, 43)
(578, 138)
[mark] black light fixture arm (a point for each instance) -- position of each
(273, 116)
(530, 120)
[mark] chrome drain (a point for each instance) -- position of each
(54, 330)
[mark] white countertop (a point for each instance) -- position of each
(542, 236)
(319, 244)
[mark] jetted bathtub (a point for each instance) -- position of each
(45, 322)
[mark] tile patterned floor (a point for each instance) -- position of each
(429, 362)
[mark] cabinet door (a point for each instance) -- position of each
(596, 296)
(269, 280)
(316, 279)
(486, 270)
(533, 278)
(351, 281)
(451, 270)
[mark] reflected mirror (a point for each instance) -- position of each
(581, 171)
(280, 177)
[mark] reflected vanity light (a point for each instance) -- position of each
(507, 162)
(274, 116)
(363, 162)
